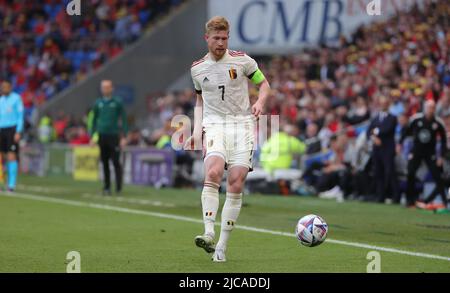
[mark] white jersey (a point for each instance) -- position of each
(223, 85)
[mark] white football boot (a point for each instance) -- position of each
(206, 242)
(219, 256)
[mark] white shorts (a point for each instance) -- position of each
(234, 142)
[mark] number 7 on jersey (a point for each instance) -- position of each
(222, 87)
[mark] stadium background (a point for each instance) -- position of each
(57, 61)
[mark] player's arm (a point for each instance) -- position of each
(123, 118)
(259, 79)
(195, 141)
(198, 116)
(408, 130)
(443, 135)
(256, 76)
(20, 119)
(94, 124)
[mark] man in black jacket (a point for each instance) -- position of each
(425, 129)
(382, 134)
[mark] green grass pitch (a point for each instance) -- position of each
(48, 217)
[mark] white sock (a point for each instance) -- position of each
(210, 205)
(230, 214)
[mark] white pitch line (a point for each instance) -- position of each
(193, 220)
(129, 200)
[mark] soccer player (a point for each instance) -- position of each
(426, 128)
(225, 120)
(108, 112)
(11, 127)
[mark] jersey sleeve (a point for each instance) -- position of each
(252, 71)
(198, 88)
(250, 66)
(123, 117)
(20, 114)
(94, 118)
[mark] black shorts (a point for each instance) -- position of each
(7, 143)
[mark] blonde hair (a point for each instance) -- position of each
(217, 23)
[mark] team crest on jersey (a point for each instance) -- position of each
(233, 73)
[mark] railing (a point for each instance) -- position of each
(141, 165)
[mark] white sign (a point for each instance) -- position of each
(284, 26)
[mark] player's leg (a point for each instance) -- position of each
(437, 177)
(413, 164)
(2, 178)
(214, 150)
(12, 164)
(214, 168)
(390, 178)
(3, 150)
(104, 155)
(232, 207)
(240, 139)
(380, 177)
(117, 164)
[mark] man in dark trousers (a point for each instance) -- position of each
(382, 134)
(426, 128)
(108, 112)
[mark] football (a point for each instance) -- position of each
(311, 230)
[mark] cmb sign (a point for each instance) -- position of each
(283, 26)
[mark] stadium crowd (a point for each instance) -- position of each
(44, 50)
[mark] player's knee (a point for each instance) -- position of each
(214, 175)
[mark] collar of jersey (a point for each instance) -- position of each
(210, 58)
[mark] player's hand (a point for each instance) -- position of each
(194, 142)
(123, 142)
(16, 137)
(376, 140)
(398, 148)
(257, 109)
(439, 162)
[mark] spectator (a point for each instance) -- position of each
(80, 136)
(335, 181)
(313, 144)
(46, 132)
(278, 151)
(381, 132)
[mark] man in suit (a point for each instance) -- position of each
(381, 132)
